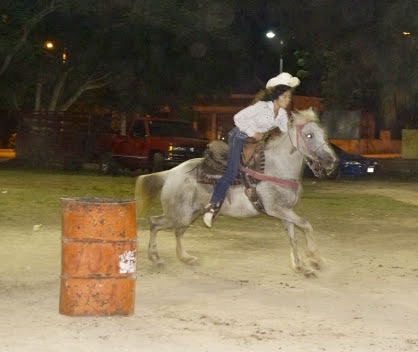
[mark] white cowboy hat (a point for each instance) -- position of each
(284, 78)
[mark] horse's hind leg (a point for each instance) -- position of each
(181, 252)
(161, 222)
(156, 224)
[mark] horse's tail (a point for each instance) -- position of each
(147, 188)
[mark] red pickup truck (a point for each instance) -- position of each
(153, 144)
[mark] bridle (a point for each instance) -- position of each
(312, 158)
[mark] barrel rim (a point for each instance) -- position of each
(97, 200)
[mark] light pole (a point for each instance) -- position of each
(49, 47)
(281, 57)
(270, 35)
(47, 67)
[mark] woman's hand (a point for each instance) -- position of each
(258, 136)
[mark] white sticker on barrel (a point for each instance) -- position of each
(127, 262)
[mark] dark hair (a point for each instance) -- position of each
(270, 94)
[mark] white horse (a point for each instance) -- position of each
(278, 189)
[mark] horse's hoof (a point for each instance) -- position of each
(190, 260)
(297, 269)
(156, 260)
(309, 273)
(159, 263)
(315, 264)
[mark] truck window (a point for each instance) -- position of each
(138, 129)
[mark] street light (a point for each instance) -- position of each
(49, 58)
(270, 34)
(49, 45)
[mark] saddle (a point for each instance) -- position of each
(213, 166)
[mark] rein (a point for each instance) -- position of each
(311, 161)
(263, 177)
(279, 181)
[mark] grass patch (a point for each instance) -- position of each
(349, 204)
(32, 197)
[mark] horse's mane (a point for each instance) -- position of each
(299, 117)
(303, 116)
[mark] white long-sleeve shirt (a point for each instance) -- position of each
(260, 117)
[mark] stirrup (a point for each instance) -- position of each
(211, 210)
(209, 214)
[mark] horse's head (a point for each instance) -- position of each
(308, 137)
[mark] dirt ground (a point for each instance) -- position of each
(242, 296)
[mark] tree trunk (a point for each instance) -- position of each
(90, 84)
(57, 91)
(28, 26)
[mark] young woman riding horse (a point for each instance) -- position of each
(183, 195)
(267, 112)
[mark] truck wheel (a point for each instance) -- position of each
(108, 165)
(157, 162)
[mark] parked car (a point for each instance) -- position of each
(350, 165)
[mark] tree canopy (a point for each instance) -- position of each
(139, 55)
(132, 54)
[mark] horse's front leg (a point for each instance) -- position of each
(181, 252)
(312, 251)
(296, 259)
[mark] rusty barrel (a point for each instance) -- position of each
(98, 259)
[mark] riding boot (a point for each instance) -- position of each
(211, 210)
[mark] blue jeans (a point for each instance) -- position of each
(236, 141)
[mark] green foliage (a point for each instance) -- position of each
(307, 68)
(374, 66)
(152, 55)
(347, 84)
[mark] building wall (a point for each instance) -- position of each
(215, 117)
(302, 103)
(370, 146)
(410, 144)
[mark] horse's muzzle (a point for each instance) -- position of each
(331, 165)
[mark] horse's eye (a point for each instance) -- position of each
(309, 135)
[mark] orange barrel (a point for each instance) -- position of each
(98, 261)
